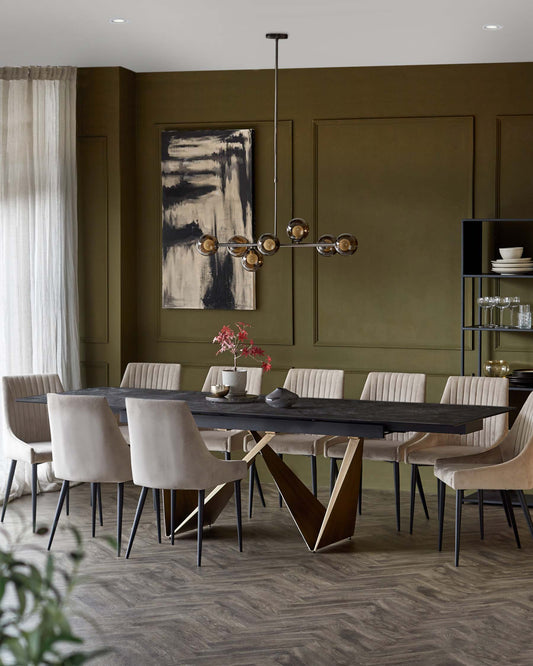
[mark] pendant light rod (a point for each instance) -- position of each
(276, 36)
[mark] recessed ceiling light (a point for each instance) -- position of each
(118, 20)
(492, 26)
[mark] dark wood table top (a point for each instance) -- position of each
(358, 418)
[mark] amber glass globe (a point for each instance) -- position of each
(346, 244)
(297, 229)
(252, 260)
(268, 244)
(328, 247)
(236, 251)
(207, 245)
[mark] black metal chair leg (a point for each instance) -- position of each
(34, 496)
(280, 456)
(172, 515)
(64, 491)
(421, 491)
(251, 481)
(8, 487)
(157, 501)
(505, 508)
(99, 494)
(511, 515)
(138, 512)
(314, 485)
(360, 502)
(412, 498)
(201, 497)
(459, 496)
(259, 487)
(442, 502)
(396, 466)
(120, 507)
(525, 509)
(67, 500)
(239, 513)
(227, 455)
(93, 507)
(480, 497)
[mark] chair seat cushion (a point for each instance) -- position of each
(296, 444)
(38, 452)
(125, 432)
(430, 455)
(373, 449)
(223, 440)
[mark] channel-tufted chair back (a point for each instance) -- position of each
(315, 382)
(152, 376)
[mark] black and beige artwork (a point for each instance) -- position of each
(207, 189)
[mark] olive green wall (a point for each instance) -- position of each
(395, 155)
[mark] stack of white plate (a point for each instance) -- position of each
(512, 266)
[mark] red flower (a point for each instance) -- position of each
(238, 344)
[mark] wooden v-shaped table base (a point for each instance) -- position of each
(319, 526)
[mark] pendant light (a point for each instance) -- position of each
(252, 253)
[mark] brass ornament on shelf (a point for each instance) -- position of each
(251, 253)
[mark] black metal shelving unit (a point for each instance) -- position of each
(478, 244)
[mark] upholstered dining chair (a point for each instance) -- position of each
(88, 447)
(493, 391)
(306, 383)
(227, 441)
(504, 467)
(152, 376)
(27, 432)
(182, 461)
(386, 387)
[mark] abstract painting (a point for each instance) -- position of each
(206, 189)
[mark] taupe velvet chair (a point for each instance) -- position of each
(27, 431)
(87, 447)
(306, 383)
(168, 452)
(385, 386)
(506, 466)
(165, 376)
(433, 446)
(227, 441)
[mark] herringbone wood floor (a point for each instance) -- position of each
(383, 598)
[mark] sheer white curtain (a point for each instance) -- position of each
(38, 234)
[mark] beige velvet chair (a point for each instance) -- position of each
(87, 447)
(164, 376)
(433, 446)
(506, 466)
(27, 430)
(168, 452)
(227, 441)
(385, 386)
(306, 383)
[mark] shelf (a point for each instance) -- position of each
(498, 275)
(498, 328)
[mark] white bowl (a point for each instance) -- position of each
(511, 252)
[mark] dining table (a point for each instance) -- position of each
(319, 525)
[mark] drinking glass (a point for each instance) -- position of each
(492, 300)
(483, 302)
(513, 312)
(503, 302)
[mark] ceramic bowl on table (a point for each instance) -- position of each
(511, 252)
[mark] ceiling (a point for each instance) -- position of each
(172, 35)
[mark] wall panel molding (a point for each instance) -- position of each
(377, 178)
(189, 326)
(93, 239)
